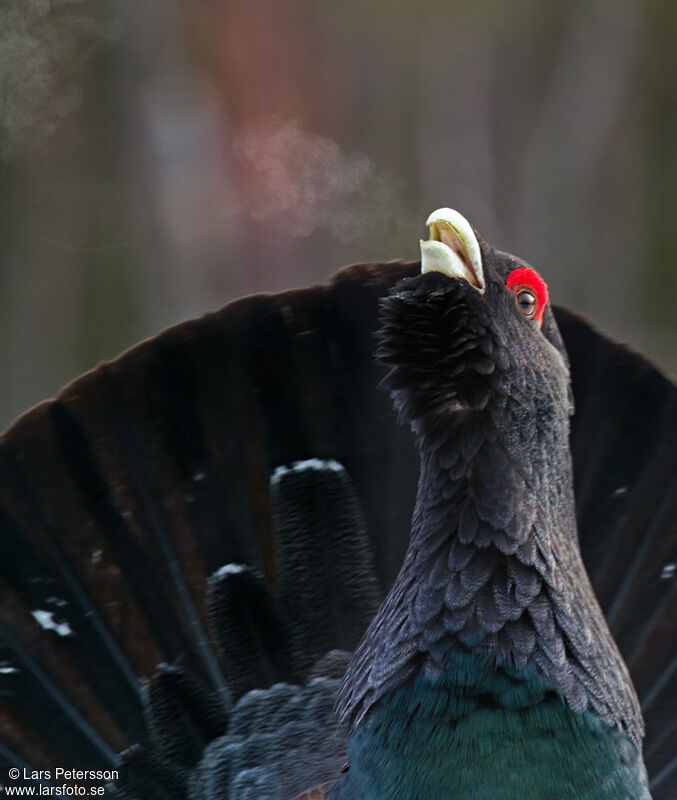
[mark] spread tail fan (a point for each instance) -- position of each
(194, 536)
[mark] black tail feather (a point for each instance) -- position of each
(326, 577)
(254, 637)
(145, 776)
(119, 499)
(37, 699)
(182, 715)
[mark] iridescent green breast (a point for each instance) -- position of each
(478, 733)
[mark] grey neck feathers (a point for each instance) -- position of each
(493, 568)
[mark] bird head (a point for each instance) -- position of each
(473, 327)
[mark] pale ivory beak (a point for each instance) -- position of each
(453, 248)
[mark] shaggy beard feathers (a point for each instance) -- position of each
(424, 378)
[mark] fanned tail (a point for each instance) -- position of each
(221, 506)
(624, 445)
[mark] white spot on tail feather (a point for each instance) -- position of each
(229, 569)
(318, 464)
(47, 621)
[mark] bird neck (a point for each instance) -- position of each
(493, 570)
(497, 483)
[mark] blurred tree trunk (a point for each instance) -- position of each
(454, 117)
(41, 200)
(559, 219)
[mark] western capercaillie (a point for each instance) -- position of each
(197, 535)
(489, 669)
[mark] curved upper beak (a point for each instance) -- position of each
(453, 248)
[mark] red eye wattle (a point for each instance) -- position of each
(526, 285)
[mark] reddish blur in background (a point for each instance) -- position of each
(160, 158)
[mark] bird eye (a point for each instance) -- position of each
(526, 303)
(530, 291)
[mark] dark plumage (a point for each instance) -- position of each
(493, 562)
(493, 577)
(122, 501)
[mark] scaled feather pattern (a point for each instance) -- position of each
(214, 522)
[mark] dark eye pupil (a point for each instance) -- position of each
(526, 303)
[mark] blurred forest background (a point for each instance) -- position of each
(161, 157)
